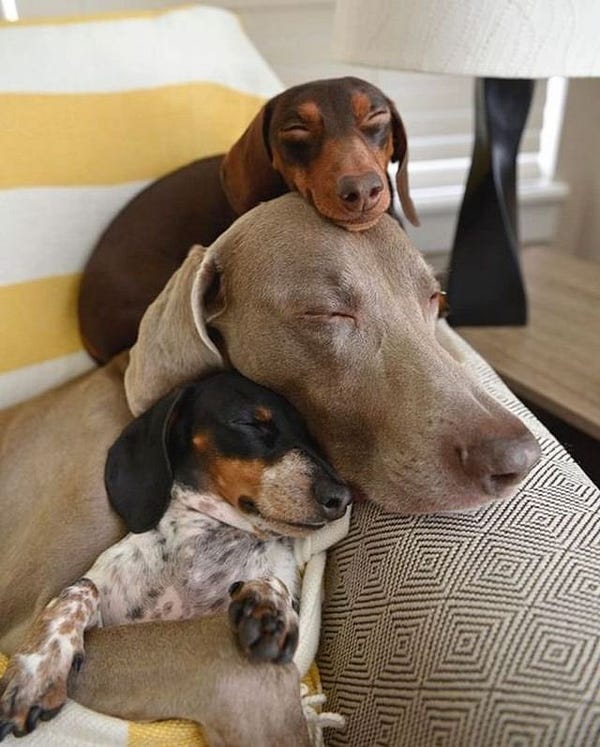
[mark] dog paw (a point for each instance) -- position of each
(30, 691)
(262, 614)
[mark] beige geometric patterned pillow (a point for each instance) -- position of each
(471, 630)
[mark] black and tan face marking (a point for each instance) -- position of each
(333, 143)
(236, 480)
(228, 437)
(249, 446)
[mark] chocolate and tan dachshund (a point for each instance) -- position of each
(329, 140)
(355, 347)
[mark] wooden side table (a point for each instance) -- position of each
(553, 362)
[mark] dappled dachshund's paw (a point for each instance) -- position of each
(34, 686)
(264, 619)
(32, 689)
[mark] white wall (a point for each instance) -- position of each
(579, 164)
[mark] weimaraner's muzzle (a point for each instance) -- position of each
(343, 324)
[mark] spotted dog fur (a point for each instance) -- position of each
(185, 567)
(241, 488)
(38, 672)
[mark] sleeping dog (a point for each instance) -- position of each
(213, 482)
(329, 140)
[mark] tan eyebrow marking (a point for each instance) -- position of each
(263, 414)
(361, 105)
(200, 441)
(309, 111)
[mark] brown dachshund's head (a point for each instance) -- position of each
(329, 140)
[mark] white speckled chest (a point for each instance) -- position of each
(184, 568)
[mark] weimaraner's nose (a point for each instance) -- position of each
(500, 463)
(360, 193)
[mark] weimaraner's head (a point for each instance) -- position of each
(343, 324)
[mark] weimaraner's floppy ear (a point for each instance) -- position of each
(400, 154)
(138, 475)
(247, 174)
(173, 344)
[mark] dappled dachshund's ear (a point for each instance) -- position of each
(400, 154)
(247, 172)
(138, 475)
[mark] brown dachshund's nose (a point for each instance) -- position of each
(334, 497)
(500, 463)
(360, 193)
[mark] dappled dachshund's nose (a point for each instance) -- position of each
(499, 464)
(360, 193)
(333, 496)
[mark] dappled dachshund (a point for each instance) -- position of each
(213, 481)
(329, 140)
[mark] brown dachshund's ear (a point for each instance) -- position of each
(400, 154)
(247, 173)
(138, 475)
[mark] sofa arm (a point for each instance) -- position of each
(471, 629)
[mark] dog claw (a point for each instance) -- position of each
(77, 662)
(32, 718)
(13, 701)
(25, 700)
(289, 647)
(235, 613)
(5, 729)
(35, 715)
(239, 609)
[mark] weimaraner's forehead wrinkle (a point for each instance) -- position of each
(344, 325)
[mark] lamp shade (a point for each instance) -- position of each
(494, 38)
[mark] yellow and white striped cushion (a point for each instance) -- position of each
(92, 110)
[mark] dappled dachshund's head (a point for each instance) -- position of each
(228, 437)
(329, 140)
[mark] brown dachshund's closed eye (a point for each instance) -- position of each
(329, 140)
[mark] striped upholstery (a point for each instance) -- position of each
(91, 111)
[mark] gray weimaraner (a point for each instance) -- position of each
(344, 325)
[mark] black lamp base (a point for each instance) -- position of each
(485, 286)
